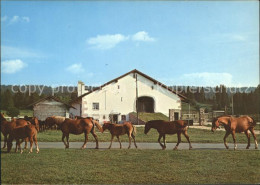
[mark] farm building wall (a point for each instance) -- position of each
(119, 97)
(48, 108)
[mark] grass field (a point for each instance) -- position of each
(196, 136)
(75, 166)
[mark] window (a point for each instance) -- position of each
(95, 106)
(123, 118)
(118, 86)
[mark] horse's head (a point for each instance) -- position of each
(215, 124)
(147, 127)
(106, 126)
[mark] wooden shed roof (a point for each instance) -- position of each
(182, 97)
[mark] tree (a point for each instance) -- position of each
(7, 100)
(12, 111)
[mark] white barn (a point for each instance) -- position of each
(121, 96)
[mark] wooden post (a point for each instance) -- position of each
(136, 98)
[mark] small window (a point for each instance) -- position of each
(121, 98)
(95, 106)
(118, 86)
(104, 116)
(123, 117)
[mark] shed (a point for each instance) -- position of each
(50, 106)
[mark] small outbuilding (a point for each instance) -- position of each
(50, 106)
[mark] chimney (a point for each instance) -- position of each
(81, 88)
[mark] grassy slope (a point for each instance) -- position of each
(23, 112)
(59, 166)
(151, 116)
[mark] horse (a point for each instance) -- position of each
(234, 125)
(79, 126)
(169, 127)
(54, 121)
(8, 126)
(24, 132)
(120, 129)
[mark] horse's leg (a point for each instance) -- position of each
(130, 140)
(63, 137)
(25, 143)
(36, 143)
(159, 141)
(96, 138)
(67, 138)
(133, 136)
(112, 137)
(16, 145)
(164, 141)
(248, 139)
(5, 140)
(85, 142)
(234, 139)
(19, 144)
(31, 144)
(179, 140)
(119, 141)
(253, 133)
(225, 137)
(188, 138)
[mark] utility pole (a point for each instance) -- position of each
(136, 98)
(232, 104)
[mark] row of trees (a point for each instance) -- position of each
(13, 102)
(221, 99)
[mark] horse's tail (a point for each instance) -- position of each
(98, 125)
(253, 123)
(134, 130)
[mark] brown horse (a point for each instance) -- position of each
(169, 127)
(8, 126)
(234, 125)
(54, 121)
(121, 129)
(23, 132)
(79, 126)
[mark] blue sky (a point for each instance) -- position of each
(178, 43)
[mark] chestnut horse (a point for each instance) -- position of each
(54, 121)
(79, 126)
(28, 131)
(7, 126)
(121, 129)
(169, 127)
(234, 125)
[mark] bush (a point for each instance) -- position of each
(12, 112)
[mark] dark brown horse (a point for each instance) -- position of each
(23, 132)
(8, 126)
(234, 125)
(169, 127)
(121, 129)
(54, 121)
(77, 127)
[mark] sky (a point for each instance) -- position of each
(196, 43)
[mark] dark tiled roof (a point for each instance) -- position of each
(53, 98)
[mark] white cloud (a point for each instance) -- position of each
(12, 66)
(106, 41)
(4, 18)
(142, 36)
(9, 52)
(75, 68)
(17, 18)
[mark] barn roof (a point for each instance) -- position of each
(182, 97)
(52, 98)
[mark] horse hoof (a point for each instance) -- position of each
(96, 148)
(190, 148)
(256, 147)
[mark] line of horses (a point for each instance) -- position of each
(26, 130)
